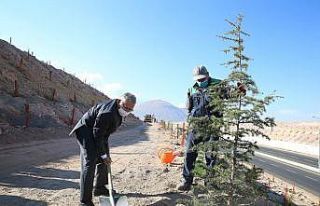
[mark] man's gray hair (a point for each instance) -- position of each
(129, 97)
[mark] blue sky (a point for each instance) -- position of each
(150, 47)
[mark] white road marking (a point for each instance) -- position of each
(293, 172)
(273, 165)
(313, 169)
(310, 178)
(288, 170)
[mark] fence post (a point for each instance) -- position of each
(16, 89)
(50, 75)
(39, 89)
(294, 188)
(177, 131)
(53, 94)
(27, 114)
(20, 64)
(172, 130)
(72, 116)
(183, 135)
(286, 196)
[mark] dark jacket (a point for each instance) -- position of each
(103, 119)
(198, 102)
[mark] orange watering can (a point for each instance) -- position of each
(167, 155)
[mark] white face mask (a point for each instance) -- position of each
(123, 113)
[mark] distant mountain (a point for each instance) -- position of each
(162, 110)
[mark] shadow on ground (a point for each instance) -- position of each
(42, 178)
(27, 173)
(9, 200)
(275, 199)
(170, 198)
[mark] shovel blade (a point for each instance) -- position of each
(119, 201)
(122, 201)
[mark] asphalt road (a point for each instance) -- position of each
(296, 157)
(303, 178)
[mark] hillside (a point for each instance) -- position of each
(306, 133)
(162, 110)
(37, 98)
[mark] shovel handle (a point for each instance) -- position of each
(110, 185)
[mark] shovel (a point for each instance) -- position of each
(112, 200)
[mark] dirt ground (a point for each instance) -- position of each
(294, 195)
(47, 172)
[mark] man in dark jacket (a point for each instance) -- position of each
(197, 106)
(92, 132)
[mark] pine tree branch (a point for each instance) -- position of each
(231, 23)
(228, 38)
(246, 34)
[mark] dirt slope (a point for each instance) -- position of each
(37, 100)
(298, 132)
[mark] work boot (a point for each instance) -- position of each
(184, 186)
(102, 191)
(86, 204)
